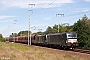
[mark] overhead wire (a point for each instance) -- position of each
(46, 5)
(40, 1)
(64, 16)
(71, 16)
(77, 14)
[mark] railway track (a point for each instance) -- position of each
(75, 51)
(78, 52)
(87, 51)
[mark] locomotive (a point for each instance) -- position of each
(62, 40)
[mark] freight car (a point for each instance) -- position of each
(21, 39)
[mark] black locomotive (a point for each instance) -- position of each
(63, 40)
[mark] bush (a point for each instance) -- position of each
(2, 39)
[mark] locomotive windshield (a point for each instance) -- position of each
(71, 35)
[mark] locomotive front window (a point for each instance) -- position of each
(69, 35)
(72, 35)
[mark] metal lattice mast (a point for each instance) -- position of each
(29, 34)
(58, 20)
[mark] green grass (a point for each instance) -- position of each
(18, 46)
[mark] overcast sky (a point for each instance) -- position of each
(14, 14)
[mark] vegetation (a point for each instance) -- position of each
(63, 27)
(1, 38)
(18, 46)
(13, 51)
(82, 27)
(21, 33)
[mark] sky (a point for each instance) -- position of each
(15, 14)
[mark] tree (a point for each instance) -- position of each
(55, 28)
(84, 17)
(1, 38)
(48, 30)
(13, 35)
(82, 27)
(39, 32)
(63, 27)
(23, 33)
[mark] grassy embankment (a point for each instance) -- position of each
(13, 51)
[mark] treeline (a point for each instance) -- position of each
(81, 27)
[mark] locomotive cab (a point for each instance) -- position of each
(72, 40)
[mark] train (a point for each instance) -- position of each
(62, 40)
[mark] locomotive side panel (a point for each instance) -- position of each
(40, 39)
(64, 39)
(56, 39)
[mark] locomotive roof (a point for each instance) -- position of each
(62, 33)
(55, 34)
(40, 35)
(59, 33)
(70, 32)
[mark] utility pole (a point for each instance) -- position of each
(59, 19)
(8, 34)
(29, 33)
(14, 29)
